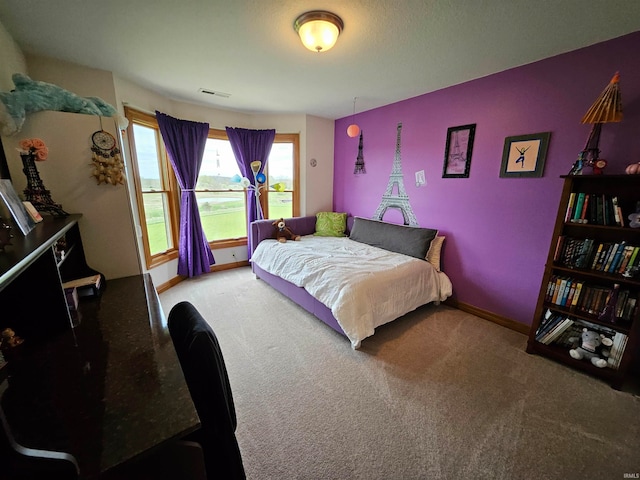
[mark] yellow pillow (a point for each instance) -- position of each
(331, 224)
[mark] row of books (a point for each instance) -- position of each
(585, 253)
(589, 299)
(565, 331)
(594, 208)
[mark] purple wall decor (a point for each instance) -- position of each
(498, 229)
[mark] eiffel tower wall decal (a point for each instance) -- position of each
(395, 196)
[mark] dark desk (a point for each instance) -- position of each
(106, 391)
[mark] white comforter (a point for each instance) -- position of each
(364, 286)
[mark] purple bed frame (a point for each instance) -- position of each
(263, 229)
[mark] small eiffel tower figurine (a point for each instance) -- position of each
(35, 192)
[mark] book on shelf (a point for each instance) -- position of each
(576, 296)
(606, 211)
(550, 320)
(626, 256)
(598, 202)
(577, 211)
(585, 212)
(570, 337)
(593, 216)
(85, 286)
(610, 257)
(617, 259)
(556, 331)
(623, 296)
(562, 292)
(617, 349)
(551, 286)
(585, 301)
(559, 247)
(614, 210)
(606, 331)
(557, 288)
(635, 258)
(597, 256)
(584, 253)
(71, 294)
(31, 210)
(569, 213)
(629, 309)
(602, 258)
(566, 302)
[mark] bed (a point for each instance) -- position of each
(353, 283)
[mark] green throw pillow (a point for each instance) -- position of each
(331, 224)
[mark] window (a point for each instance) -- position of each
(282, 167)
(221, 199)
(155, 189)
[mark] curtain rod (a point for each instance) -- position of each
(143, 110)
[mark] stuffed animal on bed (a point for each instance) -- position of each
(593, 346)
(34, 96)
(283, 233)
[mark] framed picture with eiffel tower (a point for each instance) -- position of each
(457, 154)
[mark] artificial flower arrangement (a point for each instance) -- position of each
(35, 147)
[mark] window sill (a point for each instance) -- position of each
(219, 244)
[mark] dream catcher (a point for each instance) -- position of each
(107, 164)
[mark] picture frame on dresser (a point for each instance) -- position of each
(15, 206)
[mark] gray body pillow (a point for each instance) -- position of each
(412, 241)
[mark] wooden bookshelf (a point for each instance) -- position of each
(573, 256)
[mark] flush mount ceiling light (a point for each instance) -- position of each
(318, 29)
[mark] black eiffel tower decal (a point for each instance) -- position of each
(359, 168)
(401, 199)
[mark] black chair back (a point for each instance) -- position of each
(205, 372)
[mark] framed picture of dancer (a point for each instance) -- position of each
(457, 154)
(524, 155)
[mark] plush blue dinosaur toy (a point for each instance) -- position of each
(34, 96)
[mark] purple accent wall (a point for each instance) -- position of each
(498, 229)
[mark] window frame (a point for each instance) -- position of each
(172, 193)
(217, 134)
(293, 138)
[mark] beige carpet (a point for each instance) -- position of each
(437, 394)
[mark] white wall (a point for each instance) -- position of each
(319, 179)
(13, 60)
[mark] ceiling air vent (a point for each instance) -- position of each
(213, 92)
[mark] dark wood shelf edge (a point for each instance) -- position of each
(615, 378)
(604, 277)
(619, 327)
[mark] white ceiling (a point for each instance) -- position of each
(389, 50)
